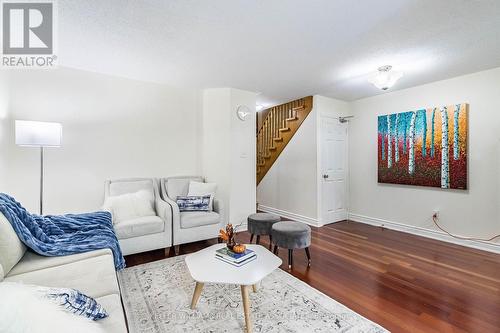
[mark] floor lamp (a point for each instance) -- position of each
(41, 135)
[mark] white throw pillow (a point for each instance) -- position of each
(201, 189)
(130, 206)
(22, 310)
(11, 247)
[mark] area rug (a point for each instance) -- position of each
(157, 298)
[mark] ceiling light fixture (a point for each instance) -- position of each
(385, 77)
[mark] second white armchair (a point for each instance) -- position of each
(190, 227)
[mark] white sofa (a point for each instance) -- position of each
(144, 233)
(93, 273)
(190, 227)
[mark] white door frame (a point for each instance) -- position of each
(319, 171)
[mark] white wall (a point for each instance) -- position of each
(4, 128)
(243, 158)
(474, 212)
(292, 185)
(112, 128)
(228, 150)
(216, 142)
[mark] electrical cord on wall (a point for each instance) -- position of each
(435, 220)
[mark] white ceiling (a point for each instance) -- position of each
(284, 49)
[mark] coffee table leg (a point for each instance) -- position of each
(246, 307)
(196, 294)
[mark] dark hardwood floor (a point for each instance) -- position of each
(405, 283)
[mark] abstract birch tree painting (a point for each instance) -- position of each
(426, 147)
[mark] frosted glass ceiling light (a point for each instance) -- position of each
(385, 77)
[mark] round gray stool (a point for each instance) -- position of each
(292, 235)
(260, 224)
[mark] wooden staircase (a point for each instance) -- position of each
(278, 128)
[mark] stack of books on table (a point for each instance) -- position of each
(233, 258)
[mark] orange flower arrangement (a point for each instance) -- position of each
(228, 236)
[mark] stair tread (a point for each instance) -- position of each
(278, 139)
(272, 148)
(292, 119)
(286, 129)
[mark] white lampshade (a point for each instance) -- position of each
(38, 134)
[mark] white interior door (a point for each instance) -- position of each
(333, 168)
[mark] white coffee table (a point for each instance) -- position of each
(205, 268)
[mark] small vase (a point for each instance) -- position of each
(231, 243)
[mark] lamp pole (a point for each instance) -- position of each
(41, 180)
(39, 134)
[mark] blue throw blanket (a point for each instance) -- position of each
(59, 235)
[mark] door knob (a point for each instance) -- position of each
(325, 176)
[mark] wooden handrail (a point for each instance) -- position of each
(291, 112)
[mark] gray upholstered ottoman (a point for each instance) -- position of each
(260, 224)
(292, 235)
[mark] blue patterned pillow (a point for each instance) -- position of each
(194, 203)
(76, 302)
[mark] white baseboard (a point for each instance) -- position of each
(289, 215)
(434, 234)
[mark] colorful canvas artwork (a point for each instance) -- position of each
(426, 147)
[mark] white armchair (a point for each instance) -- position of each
(190, 227)
(144, 233)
